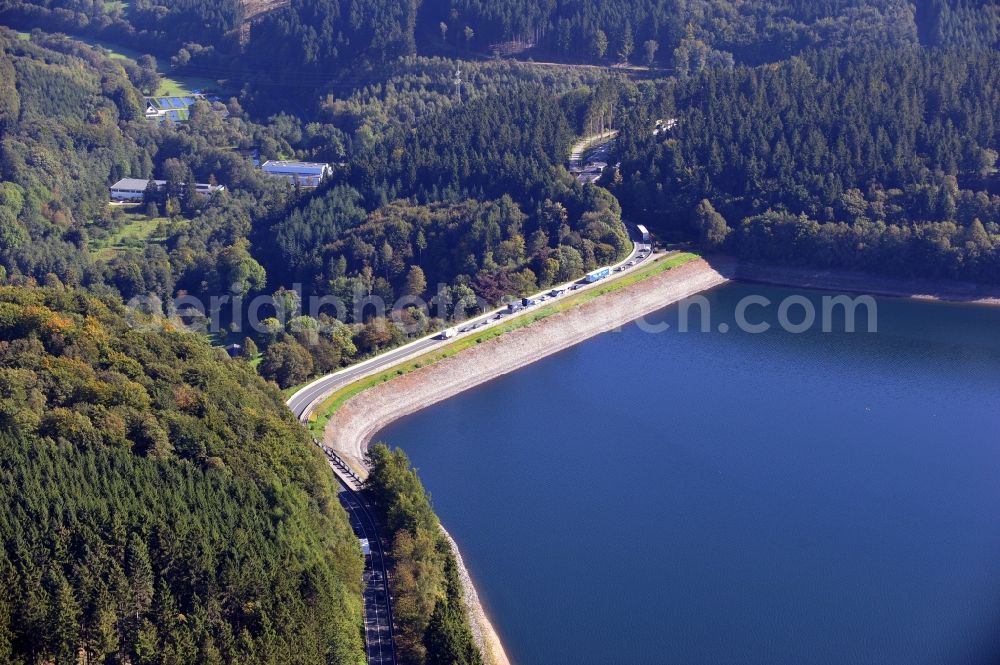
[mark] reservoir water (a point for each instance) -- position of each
(735, 498)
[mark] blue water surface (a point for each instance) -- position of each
(735, 498)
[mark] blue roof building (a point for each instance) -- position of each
(306, 174)
(173, 108)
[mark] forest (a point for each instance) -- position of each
(61, 144)
(451, 174)
(429, 599)
(876, 161)
(388, 227)
(160, 504)
(72, 110)
(309, 39)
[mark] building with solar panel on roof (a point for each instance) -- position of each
(176, 109)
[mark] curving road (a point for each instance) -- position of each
(377, 599)
(596, 148)
(303, 402)
(379, 644)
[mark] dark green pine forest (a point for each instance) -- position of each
(320, 34)
(160, 504)
(879, 162)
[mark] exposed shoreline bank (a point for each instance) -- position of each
(351, 429)
(864, 283)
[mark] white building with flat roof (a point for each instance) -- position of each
(133, 189)
(306, 174)
(130, 189)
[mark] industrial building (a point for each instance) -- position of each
(134, 189)
(306, 174)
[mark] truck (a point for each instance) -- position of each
(514, 307)
(597, 275)
(448, 334)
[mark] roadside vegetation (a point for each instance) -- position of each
(329, 406)
(148, 478)
(428, 603)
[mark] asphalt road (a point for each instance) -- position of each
(596, 148)
(581, 147)
(304, 401)
(378, 611)
(377, 600)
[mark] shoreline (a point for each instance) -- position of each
(483, 633)
(352, 427)
(832, 279)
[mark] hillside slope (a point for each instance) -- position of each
(159, 504)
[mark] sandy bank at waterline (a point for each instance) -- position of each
(350, 430)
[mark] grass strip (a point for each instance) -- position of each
(322, 414)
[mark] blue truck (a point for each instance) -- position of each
(597, 275)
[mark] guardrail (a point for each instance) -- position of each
(341, 465)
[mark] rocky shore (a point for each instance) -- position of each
(350, 430)
(865, 283)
